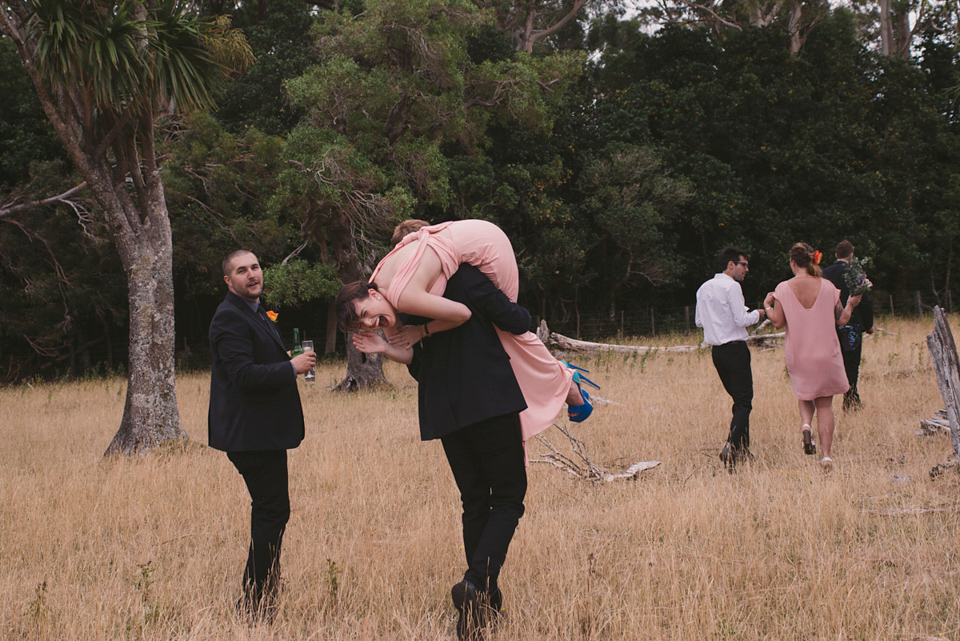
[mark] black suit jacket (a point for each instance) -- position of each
(464, 374)
(863, 313)
(254, 401)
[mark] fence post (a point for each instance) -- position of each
(891, 305)
(686, 317)
(918, 302)
(943, 352)
(653, 329)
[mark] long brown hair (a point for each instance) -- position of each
(345, 304)
(802, 255)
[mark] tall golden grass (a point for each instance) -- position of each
(152, 548)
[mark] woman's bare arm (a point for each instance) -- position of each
(843, 314)
(774, 314)
(417, 301)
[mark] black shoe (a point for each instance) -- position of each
(257, 606)
(495, 603)
(728, 457)
(851, 401)
(734, 456)
(471, 610)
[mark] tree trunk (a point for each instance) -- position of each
(886, 33)
(330, 343)
(150, 414)
(363, 370)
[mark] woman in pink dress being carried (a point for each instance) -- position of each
(809, 306)
(411, 280)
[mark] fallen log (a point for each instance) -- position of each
(557, 341)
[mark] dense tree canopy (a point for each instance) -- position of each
(618, 158)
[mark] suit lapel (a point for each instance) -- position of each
(259, 322)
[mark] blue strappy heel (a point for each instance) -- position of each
(579, 413)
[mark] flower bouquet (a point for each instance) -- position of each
(855, 277)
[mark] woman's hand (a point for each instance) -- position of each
(406, 336)
(374, 343)
(370, 342)
(768, 300)
(853, 301)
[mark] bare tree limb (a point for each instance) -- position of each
(716, 16)
(59, 198)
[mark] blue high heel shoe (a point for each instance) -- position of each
(579, 413)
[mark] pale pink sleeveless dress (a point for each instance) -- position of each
(543, 380)
(813, 353)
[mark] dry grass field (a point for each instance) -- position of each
(152, 548)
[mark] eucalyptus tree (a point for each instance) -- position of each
(106, 72)
(531, 22)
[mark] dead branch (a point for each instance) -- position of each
(939, 423)
(59, 198)
(580, 465)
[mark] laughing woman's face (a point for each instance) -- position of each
(375, 312)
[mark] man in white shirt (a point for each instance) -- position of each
(724, 318)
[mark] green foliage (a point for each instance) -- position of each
(118, 57)
(25, 134)
(283, 47)
(402, 97)
(834, 143)
(219, 187)
(299, 281)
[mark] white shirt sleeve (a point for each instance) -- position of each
(741, 316)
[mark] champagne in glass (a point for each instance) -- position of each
(310, 376)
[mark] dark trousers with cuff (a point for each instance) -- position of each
(732, 361)
(265, 474)
(487, 461)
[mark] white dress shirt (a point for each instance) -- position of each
(721, 311)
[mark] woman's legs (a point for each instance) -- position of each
(825, 422)
(806, 411)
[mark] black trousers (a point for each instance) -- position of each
(851, 361)
(732, 361)
(486, 459)
(265, 473)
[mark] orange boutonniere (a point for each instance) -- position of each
(272, 315)
(817, 255)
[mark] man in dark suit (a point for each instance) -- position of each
(851, 334)
(469, 399)
(255, 416)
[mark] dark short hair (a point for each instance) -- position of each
(730, 253)
(844, 249)
(227, 264)
(345, 305)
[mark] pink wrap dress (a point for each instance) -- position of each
(814, 361)
(543, 379)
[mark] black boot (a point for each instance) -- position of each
(471, 611)
(851, 400)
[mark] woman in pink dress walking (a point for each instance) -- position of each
(809, 306)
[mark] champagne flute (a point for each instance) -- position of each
(310, 376)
